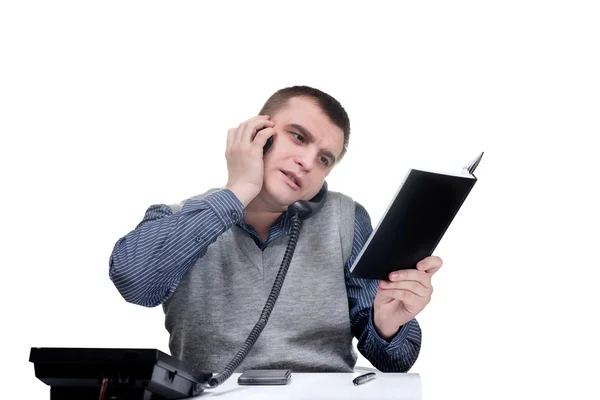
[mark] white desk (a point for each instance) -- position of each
(324, 386)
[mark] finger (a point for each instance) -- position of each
(414, 287)
(404, 296)
(237, 136)
(431, 264)
(230, 139)
(412, 303)
(251, 128)
(411, 275)
(256, 118)
(245, 130)
(262, 135)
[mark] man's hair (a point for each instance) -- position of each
(330, 106)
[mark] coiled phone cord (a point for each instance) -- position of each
(264, 317)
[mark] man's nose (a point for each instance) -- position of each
(306, 160)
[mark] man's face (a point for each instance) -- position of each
(306, 147)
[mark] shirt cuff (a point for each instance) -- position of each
(226, 206)
(395, 342)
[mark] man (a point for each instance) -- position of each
(211, 260)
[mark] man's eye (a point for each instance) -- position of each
(324, 161)
(298, 136)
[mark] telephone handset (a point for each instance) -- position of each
(304, 208)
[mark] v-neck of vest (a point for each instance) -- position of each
(270, 257)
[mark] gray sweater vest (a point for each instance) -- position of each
(220, 298)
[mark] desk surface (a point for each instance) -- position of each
(324, 386)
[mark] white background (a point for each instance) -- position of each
(109, 107)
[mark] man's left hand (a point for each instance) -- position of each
(403, 296)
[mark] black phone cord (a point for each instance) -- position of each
(264, 317)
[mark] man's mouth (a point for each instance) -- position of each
(293, 178)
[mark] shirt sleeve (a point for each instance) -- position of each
(401, 352)
(147, 264)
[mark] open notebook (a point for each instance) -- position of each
(415, 221)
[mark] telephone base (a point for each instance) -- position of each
(61, 393)
(128, 374)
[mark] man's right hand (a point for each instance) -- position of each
(244, 153)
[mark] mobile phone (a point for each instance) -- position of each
(265, 377)
(268, 144)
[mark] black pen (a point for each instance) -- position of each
(359, 380)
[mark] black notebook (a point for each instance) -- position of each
(415, 221)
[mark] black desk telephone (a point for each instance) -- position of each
(149, 374)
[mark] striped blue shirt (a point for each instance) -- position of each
(147, 264)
